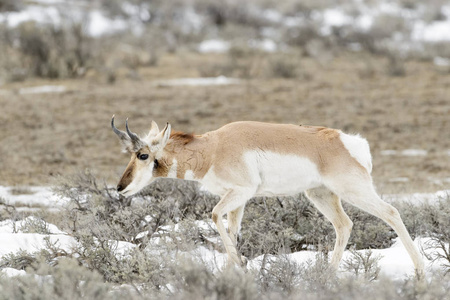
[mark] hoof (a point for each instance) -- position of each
(239, 261)
(420, 275)
(244, 261)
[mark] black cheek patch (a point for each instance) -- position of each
(162, 170)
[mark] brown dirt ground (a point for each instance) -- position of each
(44, 135)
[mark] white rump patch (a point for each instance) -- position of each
(359, 149)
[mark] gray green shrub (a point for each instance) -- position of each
(166, 223)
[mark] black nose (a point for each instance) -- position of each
(119, 188)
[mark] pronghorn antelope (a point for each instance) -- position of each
(246, 159)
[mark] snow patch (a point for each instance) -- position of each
(95, 21)
(213, 259)
(44, 89)
(395, 261)
(9, 226)
(334, 18)
(437, 31)
(31, 242)
(273, 15)
(399, 179)
(39, 14)
(214, 46)
(417, 198)
(99, 24)
(441, 61)
(388, 152)
(406, 152)
(414, 152)
(11, 272)
(50, 1)
(204, 81)
(40, 196)
(221, 46)
(141, 10)
(123, 248)
(266, 45)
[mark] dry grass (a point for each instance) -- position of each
(49, 134)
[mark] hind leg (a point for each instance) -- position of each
(359, 191)
(330, 206)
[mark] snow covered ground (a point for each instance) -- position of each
(30, 196)
(395, 262)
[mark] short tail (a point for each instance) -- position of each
(359, 149)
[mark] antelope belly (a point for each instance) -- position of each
(282, 174)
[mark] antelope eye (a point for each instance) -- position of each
(142, 156)
(156, 164)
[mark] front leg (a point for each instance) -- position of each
(232, 201)
(234, 223)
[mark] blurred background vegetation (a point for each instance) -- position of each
(58, 39)
(380, 68)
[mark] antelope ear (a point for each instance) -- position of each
(154, 130)
(161, 140)
(165, 135)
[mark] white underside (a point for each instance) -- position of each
(268, 174)
(173, 169)
(281, 174)
(189, 175)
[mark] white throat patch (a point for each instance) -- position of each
(173, 169)
(189, 175)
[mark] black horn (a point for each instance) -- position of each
(122, 135)
(132, 135)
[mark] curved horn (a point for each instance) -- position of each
(132, 135)
(122, 135)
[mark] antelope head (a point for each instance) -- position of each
(147, 157)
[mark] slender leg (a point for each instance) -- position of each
(234, 223)
(330, 206)
(232, 200)
(362, 195)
